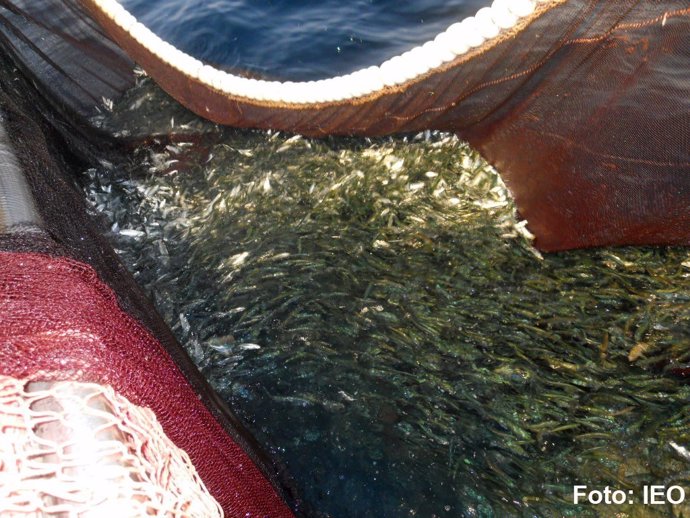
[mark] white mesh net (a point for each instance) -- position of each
(77, 450)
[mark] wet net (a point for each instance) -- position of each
(583, 110)
(70, 449)
(585, 113)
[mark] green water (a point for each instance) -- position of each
(377, 316)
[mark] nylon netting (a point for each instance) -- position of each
(69, 310)
(70, 449)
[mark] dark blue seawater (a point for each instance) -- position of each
(299, 39)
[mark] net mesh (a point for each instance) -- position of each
(70, 449)
(69, 310)
(59, 322)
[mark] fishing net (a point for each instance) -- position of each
(70, 449)
(70, 311)
(66, 55)
(583, 111)
(585, 114)
(59, 322)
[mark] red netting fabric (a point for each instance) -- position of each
(59, 322)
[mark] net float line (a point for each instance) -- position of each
(360, 103)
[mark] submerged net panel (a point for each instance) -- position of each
(78, 450)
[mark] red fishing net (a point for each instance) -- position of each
(59, 322)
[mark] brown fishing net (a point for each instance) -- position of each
(583, 109)
(70, 449)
